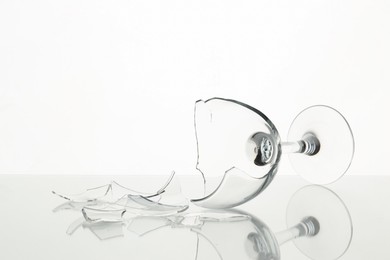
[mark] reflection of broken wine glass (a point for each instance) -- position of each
(322, 231)
(319, 224)
(239, 149)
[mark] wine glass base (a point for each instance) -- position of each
(335, 232)
(336, 144)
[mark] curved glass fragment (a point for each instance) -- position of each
(238, 151)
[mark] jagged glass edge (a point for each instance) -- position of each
(271, 173)
(73, 197)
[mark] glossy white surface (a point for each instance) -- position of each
(30, 228)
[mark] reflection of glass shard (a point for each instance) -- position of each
(110, 214)
(105, 230)
(89, 195)
(201, 237)
(143, 225)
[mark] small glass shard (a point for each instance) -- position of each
(223, 217)
(202, 243)
(89, 195)
(105, 230)
(142, 225)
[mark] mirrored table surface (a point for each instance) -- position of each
(30, 228)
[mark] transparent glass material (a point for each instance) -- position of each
(114, 203)
(335, 223)
(318, 222)
(229, 134)
(239, 149)
(336, 144)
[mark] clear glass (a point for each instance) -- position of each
(336, 144)
(239, 149)
(114, 202)
(335, 223)
(318, 223)
(229, 134)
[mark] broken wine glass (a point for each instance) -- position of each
(239, 149)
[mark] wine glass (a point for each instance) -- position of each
(239, 149)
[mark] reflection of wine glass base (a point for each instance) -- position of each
(335, 140)
(335, 232)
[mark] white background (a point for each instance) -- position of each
(99, 86)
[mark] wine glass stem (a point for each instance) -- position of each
(307, 227)
(292, 147)
(309, 145)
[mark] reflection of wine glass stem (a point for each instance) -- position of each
(309, 145)
(308, 227)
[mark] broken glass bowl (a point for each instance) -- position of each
(229, 135)
(239, 149)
